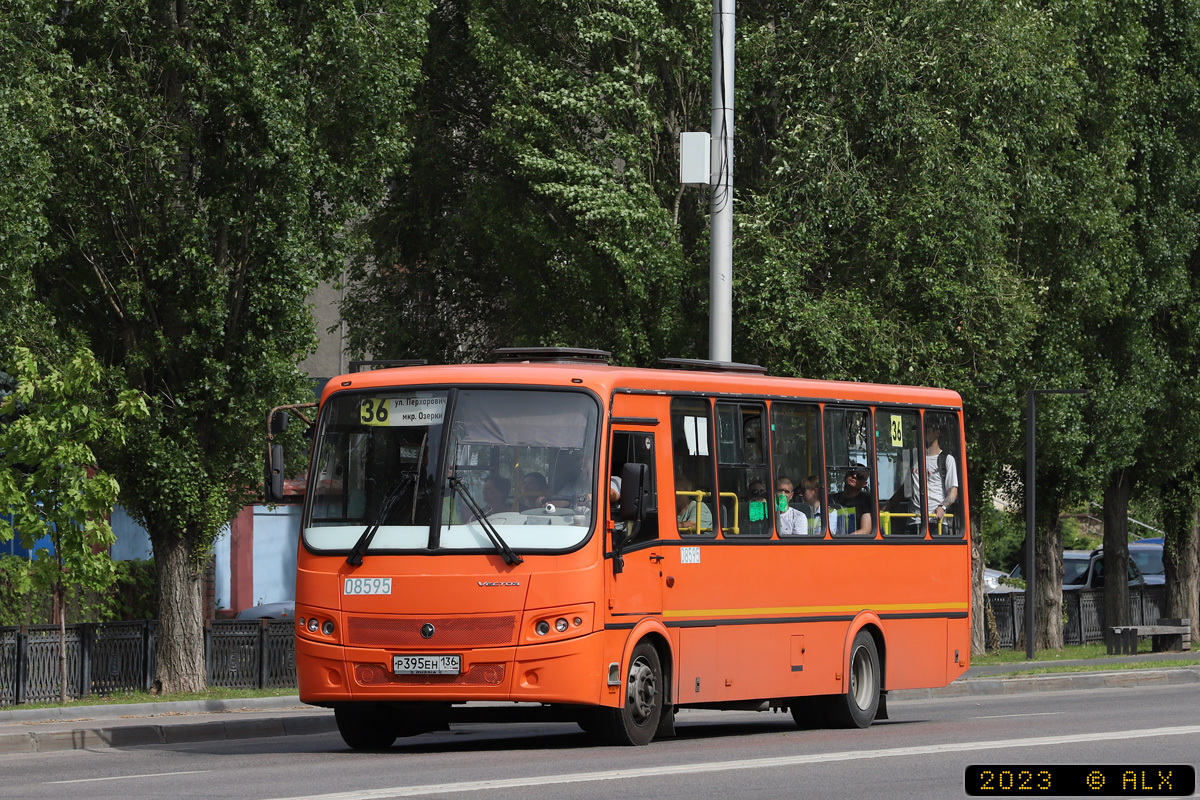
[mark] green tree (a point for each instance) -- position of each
(892, 160)
(27, 114)
(49, 426)
(543, 203)
(213, 160)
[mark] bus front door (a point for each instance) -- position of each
(635, 579)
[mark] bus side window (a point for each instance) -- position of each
(848, 435)
(798, 490)
(898, 473)
(742, 477)
(633, 448)
(692, 454)
(943, 470)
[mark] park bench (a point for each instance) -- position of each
(1166, 634)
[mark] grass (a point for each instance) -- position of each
(1071, 652)
(122, 698)
(1043, 660)
(1187, 662)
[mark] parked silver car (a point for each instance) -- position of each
(1083, 569)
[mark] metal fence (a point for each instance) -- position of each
(1083, 611)
(108, 657)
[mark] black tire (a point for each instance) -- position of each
(589, 721)
(365, 726)
(857, 708)
(811, 713)
(636, 721)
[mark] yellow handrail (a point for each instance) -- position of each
(734, 529)
(885, 520)
(697, 497)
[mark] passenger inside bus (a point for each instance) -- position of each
(757, 512)
(685, 507)
(572, 479)
(791, 521)
(857, 504)
(495, 494)
(534, 491)
(810, 505)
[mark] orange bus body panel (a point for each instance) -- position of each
(737, 620)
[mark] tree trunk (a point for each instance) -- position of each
(978, 596)
(180, 651)
(60, 602)
(1181, 558)
(1048, 591)
(1116, 550)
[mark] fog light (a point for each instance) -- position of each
(313, 625)
(577, 621)
(300, 621)
(560, 624)
(327, 628)
(542, 627)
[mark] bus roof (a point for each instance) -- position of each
(604, 379)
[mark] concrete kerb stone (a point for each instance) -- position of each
(68, 713)
(1053, 683)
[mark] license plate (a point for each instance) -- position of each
(367, 586)
(427, 665)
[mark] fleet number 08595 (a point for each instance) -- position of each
(368, 586)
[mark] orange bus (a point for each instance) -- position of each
(608, 545)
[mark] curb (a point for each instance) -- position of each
(177, 733)
(983, 687)
(68, 713)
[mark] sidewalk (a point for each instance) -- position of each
(91, 727)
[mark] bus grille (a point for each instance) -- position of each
(477, 675)
(448, 631)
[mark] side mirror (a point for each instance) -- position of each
(273, 474)
(635, 492)
(279, 422)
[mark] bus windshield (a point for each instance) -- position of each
(523, 460)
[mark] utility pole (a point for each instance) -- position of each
(720, 263)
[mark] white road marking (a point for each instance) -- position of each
(752, 763)
(1032, 714)
(127, 777)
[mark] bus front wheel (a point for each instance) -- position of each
(636, 721)
(365, 726)
(858, 706)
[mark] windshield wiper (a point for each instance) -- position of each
(507, 553)
(364, 541)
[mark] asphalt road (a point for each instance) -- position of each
(920, 752)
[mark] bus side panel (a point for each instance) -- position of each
(915, 649)
(958, 651)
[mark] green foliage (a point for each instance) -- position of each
(215, 161)
(541, 203)
(135, 591)
(1003, 535)
(16, 593)
(31, 73)
(212, 159)
(132, 595)
(48, 482)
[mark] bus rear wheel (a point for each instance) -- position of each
(636, 721)
(858, 706)
(365, 726)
